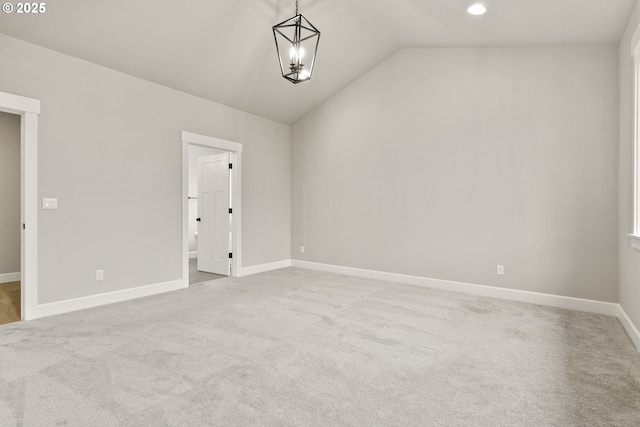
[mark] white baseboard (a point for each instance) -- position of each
(10, 277)
(631, 329)
(193, 254)
(66, 306)
(580, 304)
(261, 268)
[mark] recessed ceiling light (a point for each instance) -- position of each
(477, 9)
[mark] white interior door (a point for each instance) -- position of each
(213, 214)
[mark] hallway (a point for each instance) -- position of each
(9, 302)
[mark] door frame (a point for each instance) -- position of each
(29, 111)
(235, 157)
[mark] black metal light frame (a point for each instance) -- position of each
(295, 71)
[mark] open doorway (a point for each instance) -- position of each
(10, 299)
(27, 111)
(211, 208)
(210, 214)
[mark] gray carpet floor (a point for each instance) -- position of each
(294, 347)
(196, 276)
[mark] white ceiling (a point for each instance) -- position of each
(223, 50)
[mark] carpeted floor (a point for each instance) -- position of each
(294, 347)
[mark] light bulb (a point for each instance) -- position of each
(296, 54)
(477, 9)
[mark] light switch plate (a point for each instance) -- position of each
(48, 203)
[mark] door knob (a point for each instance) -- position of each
(198, 219)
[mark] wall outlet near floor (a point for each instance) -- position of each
(99, 274)
(301, 249)
(500, 270)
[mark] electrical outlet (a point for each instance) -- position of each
(99, 274)
(500, 270)
(301, 249)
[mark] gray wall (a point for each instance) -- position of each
(9, 193)
(629, 257)
(110, 151)
(444, 163)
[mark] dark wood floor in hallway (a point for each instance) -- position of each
(9, 302)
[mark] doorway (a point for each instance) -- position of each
(27, 110)
(210, 214)
(211, 208)
(10, 265)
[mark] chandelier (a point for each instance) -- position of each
(297, 44)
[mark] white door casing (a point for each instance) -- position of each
(235, 154)
(29, 110)
(214, 224)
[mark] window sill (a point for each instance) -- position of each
(635, 240)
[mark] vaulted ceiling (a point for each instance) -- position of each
(223, 50)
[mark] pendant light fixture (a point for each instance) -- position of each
(297, 44)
